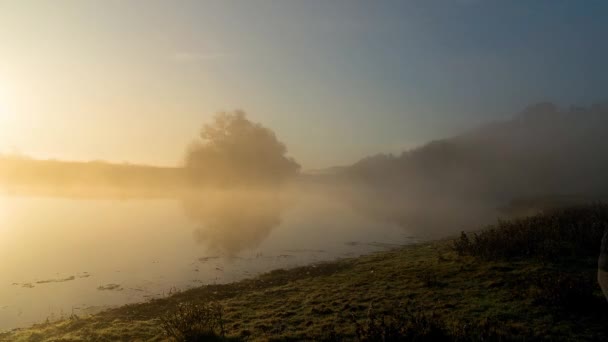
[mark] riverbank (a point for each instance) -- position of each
(443, 289)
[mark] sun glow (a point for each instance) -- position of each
(6, 113)
(7, 121)
(3, 101)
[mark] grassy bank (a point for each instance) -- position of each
(461, 289)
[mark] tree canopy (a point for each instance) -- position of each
(232, 150)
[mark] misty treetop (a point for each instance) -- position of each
(232, 150)
(543, 150)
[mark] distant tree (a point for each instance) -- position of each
(233, 150)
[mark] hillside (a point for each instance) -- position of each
(543, 150)
(467, 180)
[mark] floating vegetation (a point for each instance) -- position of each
(110, 287)
(305, 251)
(374, 244)
(285, 256)
(205, 259)
(61, 280)
(30, 285)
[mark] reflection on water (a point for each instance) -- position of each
(231, 221)
(64, 255)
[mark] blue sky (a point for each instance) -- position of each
(337, 80)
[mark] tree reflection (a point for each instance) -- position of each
(232, 221)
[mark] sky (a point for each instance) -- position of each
(336, 80)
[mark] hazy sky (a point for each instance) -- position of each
(337, 80)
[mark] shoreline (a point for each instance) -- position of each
(144, 311)
(521, 298)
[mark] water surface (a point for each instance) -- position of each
(61, 256)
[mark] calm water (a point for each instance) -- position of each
(60, 256)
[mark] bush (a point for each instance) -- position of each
(195, 322)
(569, 232)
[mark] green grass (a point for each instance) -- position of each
(463, 295)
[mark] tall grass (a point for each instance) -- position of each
(555, 234)
(191, 322)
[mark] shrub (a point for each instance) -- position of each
(195, 322)
(568, 232)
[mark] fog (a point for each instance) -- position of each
(239, 205)
(231, 221)
(544, 156)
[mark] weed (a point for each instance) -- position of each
(560, 233)
(195, 322)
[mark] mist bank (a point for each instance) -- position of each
(542, 150)
(543, 157)
(21, 174)
(231, 152)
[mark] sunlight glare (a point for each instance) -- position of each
(6, 114)
(3, 104)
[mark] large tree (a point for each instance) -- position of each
(233, 150)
